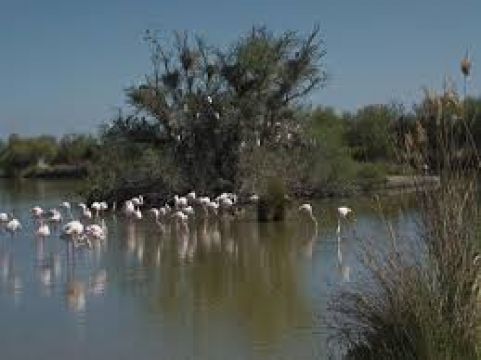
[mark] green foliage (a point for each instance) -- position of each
(369, 133)
(76, 149)
(330, 162)
(374, 172)
(22, 156)
(123, 166)
(19, 153)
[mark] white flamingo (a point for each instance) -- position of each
(342, 213)
(74, 231)
(129, 208)
(189, 211)
(138, 200)
(96, 207)
(13, 226)
(37, 212)
(3, 217)
(55, 216)
(65, 205)
(104, 206)
(43, 230)
(191, 197)
(306, 209)
(180, 202)
(95, 232)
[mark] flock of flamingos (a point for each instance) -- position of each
(84, 226)
(176, 215)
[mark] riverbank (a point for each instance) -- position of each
(389, 184)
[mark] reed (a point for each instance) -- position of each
(420, 299)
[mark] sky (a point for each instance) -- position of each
(64, 64)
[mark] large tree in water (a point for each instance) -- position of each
(208, 107)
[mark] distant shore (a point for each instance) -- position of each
(390, 184)
(60, 171)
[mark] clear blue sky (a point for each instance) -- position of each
(64, 63)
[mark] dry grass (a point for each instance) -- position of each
(421, 300)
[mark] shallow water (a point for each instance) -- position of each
(237, 290)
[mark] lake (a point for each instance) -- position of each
(240, 290)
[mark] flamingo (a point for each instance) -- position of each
(226, 202)
(204, 200)
(104, 206)
(164, 211)
(189, 211)
(180, 218)
(3, 217)
(342, 213)
(95, 232)
(213, 207)
(43, 230)
(13, 226)
(55, 216)
(306, 209)
(129, 208)
(138, 201)
(65, 205)
(96, 207)
(37, 212)
(73, 227)
(190, 197)
(180, 202)
(73, 230)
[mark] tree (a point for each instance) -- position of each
(75, 149)
(370, 134)
(21, 153)
(208, 106)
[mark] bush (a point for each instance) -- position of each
(372, 172)
(370, 133)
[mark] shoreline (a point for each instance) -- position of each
(54, 172)
(391, 185)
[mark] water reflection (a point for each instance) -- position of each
(246, 269)
(214, 288)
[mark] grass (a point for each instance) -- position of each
(420, 299)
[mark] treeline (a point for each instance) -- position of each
(47, 155)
